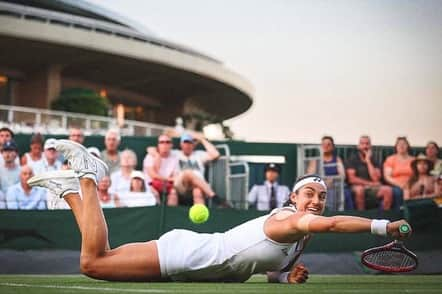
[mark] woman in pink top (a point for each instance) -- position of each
(397, 169)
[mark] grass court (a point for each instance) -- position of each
(47, 284)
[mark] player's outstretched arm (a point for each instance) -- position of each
(310, 223)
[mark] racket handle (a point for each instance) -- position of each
(404, 228)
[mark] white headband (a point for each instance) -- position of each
(308, 180)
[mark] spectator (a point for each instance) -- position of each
(34, 158)
(333, 166)
(120, 179)
(161, 166)
(6, 134)
(364, 176)
(397, 169)
(138, 195)
(10, 169)
(107, 199)
(50, 157)
(22, 196)
(432, 153)
(421, 184)
(76, 134)
(191, 163)
(110, 155)
(270, 194)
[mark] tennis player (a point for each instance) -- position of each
(268, 244)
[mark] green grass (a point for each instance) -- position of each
(48, 284)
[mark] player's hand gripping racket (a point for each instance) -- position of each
(393, 257)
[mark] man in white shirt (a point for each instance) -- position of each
(190, 179)
(269, 195)
(50, 161)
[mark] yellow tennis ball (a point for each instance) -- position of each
(198, 213)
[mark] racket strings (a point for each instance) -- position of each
(390, 259)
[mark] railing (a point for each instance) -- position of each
(31, 120)
(79, 22)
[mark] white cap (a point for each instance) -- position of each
(50, 143)
(137, 174)
(94, 151)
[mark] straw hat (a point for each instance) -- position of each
(422, 157)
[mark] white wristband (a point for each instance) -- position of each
(282, 278)
(379, 227)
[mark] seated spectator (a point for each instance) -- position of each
(161, 166)
(422, 183)
(120, 179)
(110, 155)
(22, 196)
(107, 199)
(10, 169)
(6, 134)
(432, 153)
(138, 195)
(333, 166)
(34, 158)
(190, 183)
(364, 176)
(270, 194)
(397, 169)
(76, 134)
(50, 157)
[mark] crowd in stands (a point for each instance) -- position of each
(366, 183)
(178, 176)
(171, 176)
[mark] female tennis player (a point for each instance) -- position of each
(269, 244)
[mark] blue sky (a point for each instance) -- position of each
(342, 68)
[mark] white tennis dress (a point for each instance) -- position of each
(232, 256)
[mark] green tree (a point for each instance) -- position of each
(81, 101)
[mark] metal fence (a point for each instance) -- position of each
(230, 179)
(29, 120)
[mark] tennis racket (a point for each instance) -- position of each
(393, 257)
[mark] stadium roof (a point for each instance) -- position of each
(95, 45)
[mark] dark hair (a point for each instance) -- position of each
(415, 176)
(403, 138)
(289, 201)
(429, 143)
(329, 138)
(143, 188)
(5, 129)
(37, 139)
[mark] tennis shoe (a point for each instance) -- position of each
(81, 161)
(60, 182)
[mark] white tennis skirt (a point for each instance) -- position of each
(189, 256)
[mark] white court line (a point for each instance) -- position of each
(84, 288)
(250, 290)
